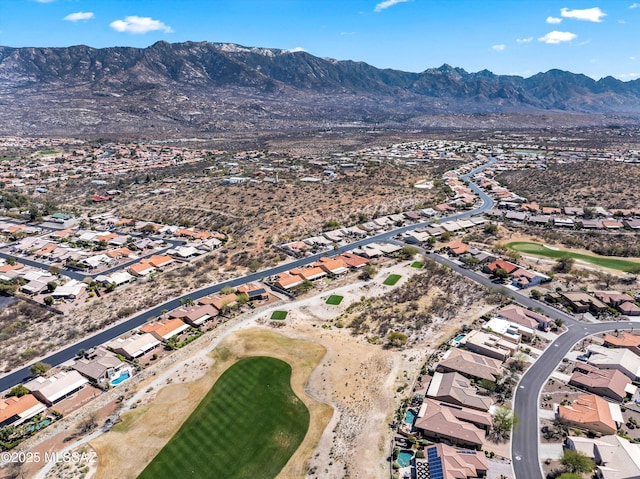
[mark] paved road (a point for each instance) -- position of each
(525, 439)
(80, 275)
(15, 377)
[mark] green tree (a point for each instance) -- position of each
(569, 475)
(491, 229)
(501, 273)
(51, 286)
(228, 290)
(39, 368)
(504, 420)
(407, 252)
(55, 270)
(576, 461)
(368, 272)
(48, 300)
(18, 391)
(396, 339)
(564, 264)
(536, 294)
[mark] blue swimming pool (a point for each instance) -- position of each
(36, 427)
(404, 458)
(409, 417)
(459, 338)
(123, 377)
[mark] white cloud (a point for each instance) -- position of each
(554, 20)
(76, 17)
(632, 58)
(296, 49)
(634, 5)
(588, 14)
(134, 24)
(524, 40)
(45, 1)
(498, 48)
(347, 33)
(388, 3)
(556, 37)
(630, 76)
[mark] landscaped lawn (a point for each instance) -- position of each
(605, 261)
(392, 279)
(335, 300)
(247, 426)
(417, 264)
(279, 315)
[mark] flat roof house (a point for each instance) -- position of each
(56, 388)
(489, 345)
(16, 410)
(134, 346)
(615, 456)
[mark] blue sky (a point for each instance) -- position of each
(519, 37)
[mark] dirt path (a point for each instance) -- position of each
(149, 427)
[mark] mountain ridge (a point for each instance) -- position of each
(204, 86)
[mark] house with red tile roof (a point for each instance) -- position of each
(609, 383)
(525, 317)
(119, 253)
(287, 280)
(165, 329)
(332, 266)
(159, 262)
(142, 268)
(624, 340)
(454, 463)
(353, 260)
(590, 412)
(458, 248)
(16, 410)
(502, 264)
(458, 425)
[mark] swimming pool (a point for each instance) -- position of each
(123, 377)
(459, 338)
(36, 427)
(409, 417)
(404, 458)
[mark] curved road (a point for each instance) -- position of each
(15, 377)
(525, 438)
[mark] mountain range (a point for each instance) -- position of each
(219, 87)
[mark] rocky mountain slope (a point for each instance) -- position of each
(212, 87)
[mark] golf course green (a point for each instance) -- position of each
(537, 249)
(247, 426)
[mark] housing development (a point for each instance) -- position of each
(448, 305)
